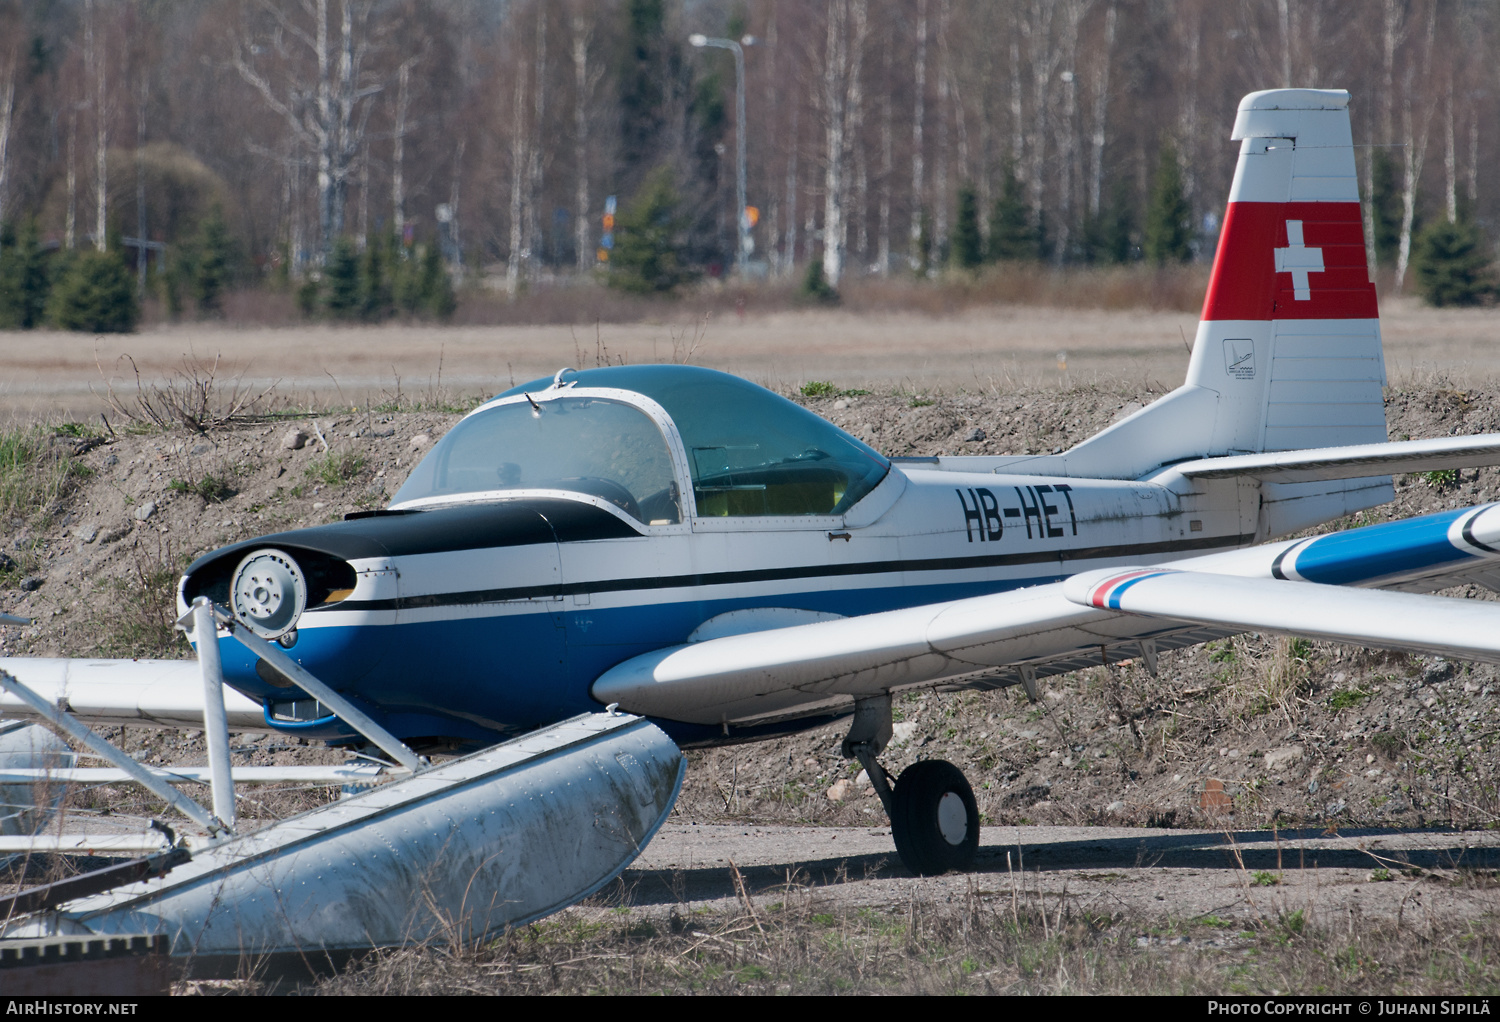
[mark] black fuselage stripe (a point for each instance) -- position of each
(614, 585)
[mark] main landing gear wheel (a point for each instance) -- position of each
(934, 818)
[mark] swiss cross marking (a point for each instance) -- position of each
(1298, 260)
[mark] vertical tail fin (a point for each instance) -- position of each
(1288, 352)
(1290, 334)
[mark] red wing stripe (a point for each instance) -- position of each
(1101, 591)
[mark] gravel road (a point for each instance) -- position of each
(1328, 874)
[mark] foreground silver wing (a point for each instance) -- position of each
(1317, 587)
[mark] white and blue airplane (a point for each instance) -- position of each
(689, 547)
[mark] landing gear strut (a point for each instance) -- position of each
(934, 818)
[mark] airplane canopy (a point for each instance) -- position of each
(748, 452)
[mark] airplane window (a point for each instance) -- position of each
(750, 452)
(605, 448)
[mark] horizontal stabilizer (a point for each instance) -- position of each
(1354, 462)
(1461, 629)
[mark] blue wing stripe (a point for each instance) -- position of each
(1378, 551)
(1114, 597)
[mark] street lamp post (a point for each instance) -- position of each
(700, 40)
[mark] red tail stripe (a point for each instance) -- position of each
(1245, 284)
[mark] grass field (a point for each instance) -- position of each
(982, 348)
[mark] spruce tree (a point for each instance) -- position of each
(1385, 208)
(436, 287)
(341, 280)
(210, 272)
(24, 279)
(406, 279)
(968, 246)
(375, 294)
(1119, 227)
(815, 286)
(1453, 264)
(649, 254)
(1169, 221)
(1011, 233)
(96, 294)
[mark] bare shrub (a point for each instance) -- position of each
(193, 397)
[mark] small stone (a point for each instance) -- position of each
(319, 505)
(1115, 807)
(145, 511)
(88, 533)
(862, 780)
(840, 405)
(388, 431)
(203, 448)
(840, 790)
(31, 585)
(1335, 807)
(902, 732)
(111, 535)
(420, 441)
(1370, 758)
(111, 460)
(295, 440)
(7, 563)
(974, 435)
(1280, 759)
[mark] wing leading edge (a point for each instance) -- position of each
(1318, 587)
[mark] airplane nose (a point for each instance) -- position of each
(268, 592)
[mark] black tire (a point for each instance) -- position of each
(930, 837)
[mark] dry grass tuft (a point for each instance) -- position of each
(991, 942)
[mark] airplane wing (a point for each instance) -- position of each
(137, 693)
(1352, 462)
(1337, 587)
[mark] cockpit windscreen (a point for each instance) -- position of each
(605, 448)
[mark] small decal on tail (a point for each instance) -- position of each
(1239, 358)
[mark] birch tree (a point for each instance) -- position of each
(847, 25)
(398, 143)
(918, 197)
(1099, 135)
(7, 117)
(520, 162)
(1073, 12)
(584, 83)
(327, 106)
(94, 62)
(1415, 126)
